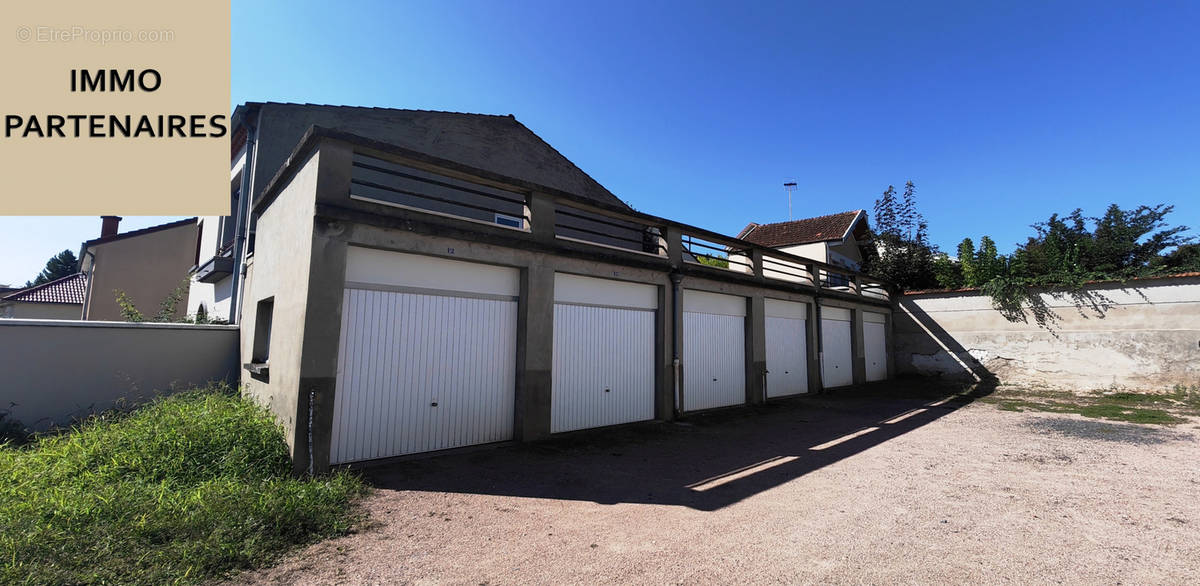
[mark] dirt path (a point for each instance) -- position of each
(943, 495)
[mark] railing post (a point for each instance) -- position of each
(756, 261)
(813, 277)
(857, 284)
(540, 209)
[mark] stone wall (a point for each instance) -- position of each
(1148, 336)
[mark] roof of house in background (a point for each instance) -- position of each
(69, 289)
(142, 232)
(497, 143)
(808, 230)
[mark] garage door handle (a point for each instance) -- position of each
(714, 380)
(433, 404)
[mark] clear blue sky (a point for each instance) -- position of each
(1000, 112)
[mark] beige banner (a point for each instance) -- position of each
(115, 108)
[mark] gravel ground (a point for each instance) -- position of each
(947, 493)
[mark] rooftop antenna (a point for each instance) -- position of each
(789, 185)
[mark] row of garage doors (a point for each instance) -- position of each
(427, 358)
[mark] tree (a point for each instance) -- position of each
(948, 272)
(1065, 255)
(901, 253)
(966, 260)
(60, 265)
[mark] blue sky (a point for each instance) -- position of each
(1000, 112)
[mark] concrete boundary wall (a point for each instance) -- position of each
(1148, 337)
(57, 370)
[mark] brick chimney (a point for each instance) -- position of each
(108, 225)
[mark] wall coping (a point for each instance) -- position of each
(1187, 278)
(74, 323)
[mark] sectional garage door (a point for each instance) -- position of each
(427, 359)
(837, 368)
(875, 345)
(787, 348)
(714, 350)
(603, 352)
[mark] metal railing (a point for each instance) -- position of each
(392, 179)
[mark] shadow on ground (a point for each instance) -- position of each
(708, 462)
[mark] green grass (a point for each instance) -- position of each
(185, 489)
(1165, 408)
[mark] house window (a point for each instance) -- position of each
(510, 221)
(262, 331)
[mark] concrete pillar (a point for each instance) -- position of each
(664, 379)
(540, 208)
(323, 321)
(756, 349)
(815, 384)
(535, 351)
(674, 237)
(858, 346)
(321, 343)
(676, 363)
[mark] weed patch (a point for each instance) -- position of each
(185, 489)
(1132, 407)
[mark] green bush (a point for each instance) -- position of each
(187, 488)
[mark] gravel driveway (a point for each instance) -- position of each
(854, 487)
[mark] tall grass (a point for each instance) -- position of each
(187, 488)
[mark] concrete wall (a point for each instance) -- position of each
(1149, 338)
(54, 371)
(147, 268)
(279, 270)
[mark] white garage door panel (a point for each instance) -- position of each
(603, 367)
(875, 345)
(403, 352)
(837, 367)
(787, 357)
(714, 368)
(398, 269)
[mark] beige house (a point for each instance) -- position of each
(837, 239)
(147, 264)
(58, 299)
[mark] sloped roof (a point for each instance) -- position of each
(808, 230)
(143, 231)
(69, 289)
(497, 143)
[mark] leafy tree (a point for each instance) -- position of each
(713, 261)
(1184, 259)
(948, 272)
(901, 253)
(988, 262)
(966, 260)
(63, 264)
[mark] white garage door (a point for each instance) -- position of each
(603, 352)
(714, 350)
(875, 345)
(427, 359)
(787, 348)
(837, 368)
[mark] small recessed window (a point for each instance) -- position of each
(262, 331)
(510, 221)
